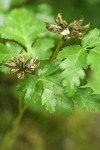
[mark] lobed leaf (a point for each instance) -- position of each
(87, 100)
(21, 26)
(46, 90)
(48, 69)
(54, 94)
(92, 39)
(94, 59)
(8, 50)
(73, 70)
(42, 49)
(69, 51)
(30, 88)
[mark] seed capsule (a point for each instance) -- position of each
(53, 28)
(10, 64)
(21, 75)
(30, 66)
(59, 26)
(67, 31)
(20, 66)
(76, 23)
(15, 60)
(58, 19)
(30, 63)
(85, 27)
(21, 58)
(14, 70)
(77, 29)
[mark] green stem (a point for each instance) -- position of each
(61, 42)
(9, 137)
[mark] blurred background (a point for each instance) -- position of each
(40, 130)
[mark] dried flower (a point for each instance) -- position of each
(58, 19)
(20, 66)
(59, 27)
(67, 31)
(76, 28)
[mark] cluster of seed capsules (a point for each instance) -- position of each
(67, 31)
(20, 66)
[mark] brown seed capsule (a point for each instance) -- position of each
(76, 23)
(53, 28)
(67, 31)
(21, 75)
(15, 60)
(80, 21)
(14, 70)
(29, 70)
(59, 27)
(76, 29)
(30, 62)
(79, 34)
(58, 19)
(30, 66)
(10, 64)
(20, 66)
(21, 58)
(85, 27)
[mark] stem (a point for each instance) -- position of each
(9, 137)
(61, 42)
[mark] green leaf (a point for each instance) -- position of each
(93, 59)
(92, 39)
(8, 50)
(73, 70)
(30, 87)
(87, 100)
(94, 81)
(49, 96)
(21, 26)
(78, 59)
(51, 82)
(48, 69)
(54, 94)
(42, 49)
(46, 90)
(69, 51)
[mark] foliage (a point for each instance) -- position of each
(54, 83)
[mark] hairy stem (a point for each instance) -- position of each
(9, 137)
(61, 42)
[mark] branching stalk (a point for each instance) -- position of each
(58, 48)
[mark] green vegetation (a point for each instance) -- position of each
(49, 63)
